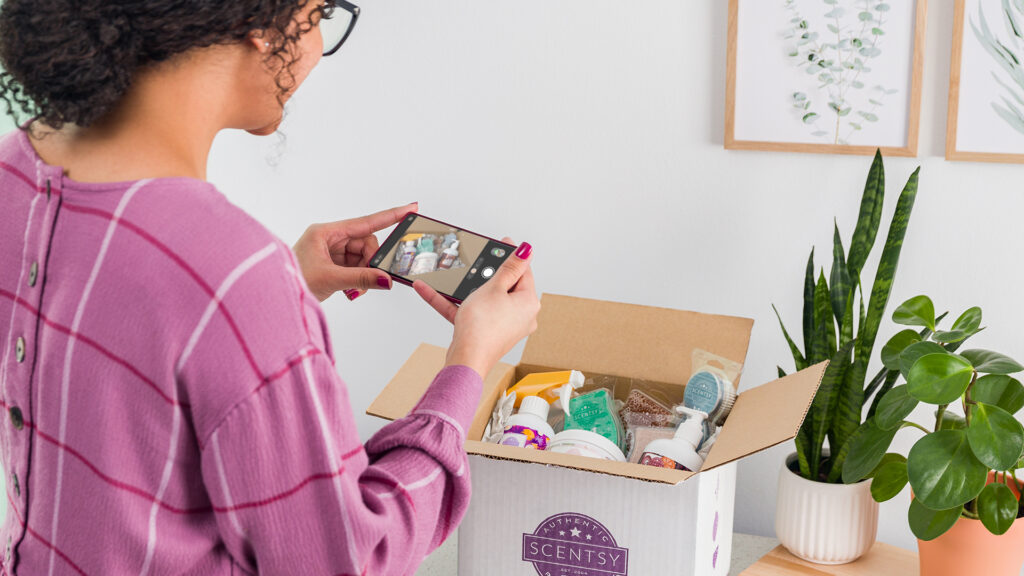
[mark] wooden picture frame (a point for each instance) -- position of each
(956, 74)
(913, 112)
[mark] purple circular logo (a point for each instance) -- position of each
(572, 544)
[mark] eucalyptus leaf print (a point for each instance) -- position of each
(838, 100)
(1007, 50)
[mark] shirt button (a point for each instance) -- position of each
(19, 349)
(17, 487)
(16, 418)
(33, 273)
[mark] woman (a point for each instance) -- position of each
(170, 385)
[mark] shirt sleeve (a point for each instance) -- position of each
(294, 491)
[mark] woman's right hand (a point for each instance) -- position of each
(494, 318)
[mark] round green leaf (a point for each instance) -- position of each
(928, 524)
(967, 325)
(969, 321)
(894, 407)
(887, 458)
(914, 352)
(918, 311)
(997, 508)
(952, 421)
(889, 481)
(989, 362)
(995, 436)
(939, 378)
(999, 390)
(943, 471)
(867, 447)
(897, 344)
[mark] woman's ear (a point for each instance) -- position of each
(258, 41)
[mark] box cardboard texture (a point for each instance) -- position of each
(552, 514)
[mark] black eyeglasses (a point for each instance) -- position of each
(336, 25)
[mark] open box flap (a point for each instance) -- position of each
(767, 415)
(408, 385)
(627, 340)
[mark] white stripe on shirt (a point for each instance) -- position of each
(72, 338)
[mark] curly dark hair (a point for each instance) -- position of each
(70, 62)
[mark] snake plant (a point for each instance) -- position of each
(836, 329)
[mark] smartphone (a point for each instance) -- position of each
(452, 260)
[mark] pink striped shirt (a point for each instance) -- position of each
(171, 404)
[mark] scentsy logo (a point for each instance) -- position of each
(574, 545)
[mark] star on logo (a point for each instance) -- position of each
(561, 532)
(589, 537)
(575, 532)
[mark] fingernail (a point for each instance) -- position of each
(384, 282)
(524, 251)
(352, 294)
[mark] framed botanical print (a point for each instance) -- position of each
(828, 76)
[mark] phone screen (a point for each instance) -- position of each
(453, 261)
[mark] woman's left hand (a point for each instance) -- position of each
(335, 256)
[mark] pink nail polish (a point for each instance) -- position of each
(524, 251)
(352, 294)
(384, 282)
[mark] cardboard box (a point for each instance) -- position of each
(562, 515)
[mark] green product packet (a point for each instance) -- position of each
(595, 412)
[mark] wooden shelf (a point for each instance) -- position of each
(881, 560)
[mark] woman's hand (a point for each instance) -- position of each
(494, 317)
(335, 256)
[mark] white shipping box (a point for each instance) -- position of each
(551, 514)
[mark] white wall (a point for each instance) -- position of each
(593, 129)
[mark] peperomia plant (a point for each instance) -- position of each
(949, 468)
(833, 331)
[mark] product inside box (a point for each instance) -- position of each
(624, 341)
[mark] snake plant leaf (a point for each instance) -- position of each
(939, 378)
(894, 407)
(999, 390)
(943, 470)
(798, 358)
(782, 373)
(997, 508)
(890, 379)
(896, 345)
(824, 326)
(846, 324)
(914, 352)
(989, 362)
(846, 414)
(867, 446)
(928, 524)
(824, 404)
(809, 305)
(887, 265)
(918, 311)
(995, 436)
(840, 278)
(889, 480)
(869, 218)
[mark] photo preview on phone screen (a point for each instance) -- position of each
(451, 260)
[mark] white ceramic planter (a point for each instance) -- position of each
(824, 523)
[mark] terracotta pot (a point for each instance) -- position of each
(969, 548)
(824, 523)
